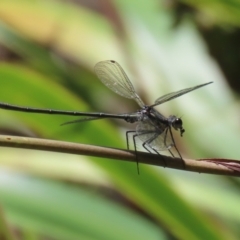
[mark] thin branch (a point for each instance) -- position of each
(212, 166)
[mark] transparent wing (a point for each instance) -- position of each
(173, 95)
(84, 119)
(158, 139)
(113, 76)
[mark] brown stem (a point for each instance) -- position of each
(200, 166)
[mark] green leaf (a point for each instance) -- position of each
(66, 212)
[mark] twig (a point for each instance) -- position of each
(212, 166)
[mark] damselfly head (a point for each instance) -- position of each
(177, 124)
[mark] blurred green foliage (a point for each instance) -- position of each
(48, 49)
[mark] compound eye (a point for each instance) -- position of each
(178, 123)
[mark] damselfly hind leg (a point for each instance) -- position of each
(134, 145)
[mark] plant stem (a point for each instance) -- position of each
(194, 165)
